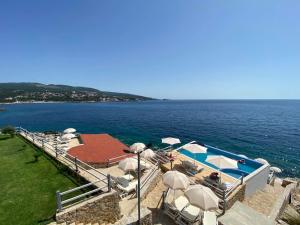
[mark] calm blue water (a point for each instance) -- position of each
(267, 129)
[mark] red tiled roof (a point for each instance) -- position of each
(98, 148)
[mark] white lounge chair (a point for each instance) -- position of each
(189, 215)
(128, 177)
(191, 168)
(180, 203)
(209, 218)
(126, 189)
(173, 209)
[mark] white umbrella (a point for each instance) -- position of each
(128, 164)
(275, 169)
(148, 154)
(137, 147)
(195, 148)
(68, 136)
(69, 131)
(170, 141)
(176, 180)
(221, 161)
(202, 197)
(243, 156)
(261, 160)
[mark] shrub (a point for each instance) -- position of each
(9, 130)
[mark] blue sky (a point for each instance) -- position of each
(166, 49)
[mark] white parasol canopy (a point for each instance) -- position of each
(221, 161)
(243, 156)
(148, 154)
(128, 164)
(170, 141)
(69, 130)
(195, 148)
(202, 197)
(68, 136)
(176, 180)
(137, 147)
(261, 160)
(275, 169)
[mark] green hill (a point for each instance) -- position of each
(27, 92)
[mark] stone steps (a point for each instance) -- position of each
(77, 223)
(242, 214)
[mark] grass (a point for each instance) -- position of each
(28, 182)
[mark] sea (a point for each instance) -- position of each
(268, 129)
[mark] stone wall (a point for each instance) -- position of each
(101, 209)
(156, 177)
(237, 195)
(282, 202)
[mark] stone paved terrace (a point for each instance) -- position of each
(153, 202)
(199, 176)
(263, 200)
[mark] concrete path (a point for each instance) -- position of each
(242, 214)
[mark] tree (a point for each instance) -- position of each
(9, 130)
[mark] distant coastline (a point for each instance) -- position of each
(16, 93)
(62, 102)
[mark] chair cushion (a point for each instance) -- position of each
(122, 181)
(181, 202)
(191, 212)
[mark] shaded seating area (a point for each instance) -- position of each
(191, 168)
(126, 186)
(182, 212)
(195, 205)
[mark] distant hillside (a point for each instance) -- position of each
(29, 92)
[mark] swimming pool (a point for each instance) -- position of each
(243, 169)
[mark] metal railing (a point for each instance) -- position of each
(74, 164)
(115, 160)
(61, 204)
(59, 152)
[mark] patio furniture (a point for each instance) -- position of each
(191, 168)
(189, 215)
(180, 203)
(126, 188)
(173, 209)
(209, 218)
(128, 177)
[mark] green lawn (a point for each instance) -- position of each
(27, 187)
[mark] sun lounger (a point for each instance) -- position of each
(128, 177)
(180, 203)
(209, 218)
(189, 215)
(125, 190)
(191, 168)
(173, 209)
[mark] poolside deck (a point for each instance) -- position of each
(199, 176)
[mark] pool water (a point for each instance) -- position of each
(243, 169)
